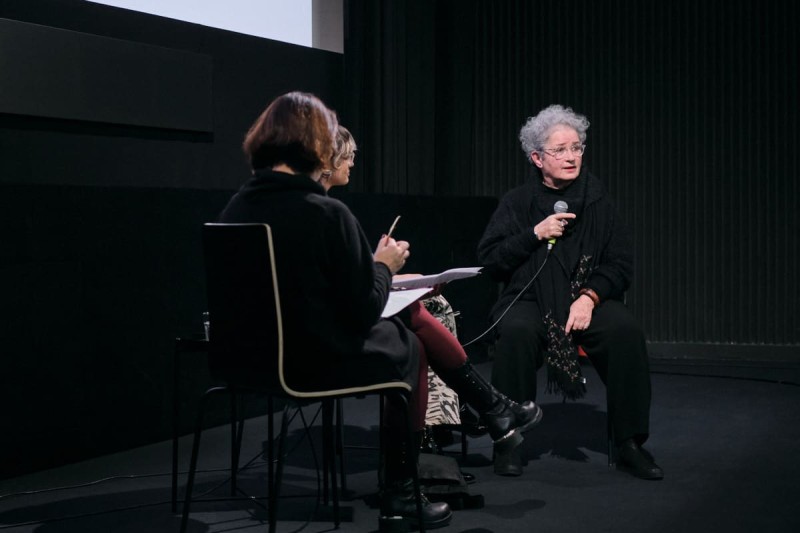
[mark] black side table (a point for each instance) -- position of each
(183, 345)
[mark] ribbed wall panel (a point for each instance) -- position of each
(694, 129)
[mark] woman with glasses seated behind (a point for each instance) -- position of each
(566, 259)
(334, 288)
(443, 352)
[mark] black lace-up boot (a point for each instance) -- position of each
(505, 418)
(398, 502)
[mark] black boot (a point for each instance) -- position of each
(399, 509)
(470, 422)
(398, 502)
(636, 460)
(505, 418)
(507, 459)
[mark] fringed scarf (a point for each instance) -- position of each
(572, 260)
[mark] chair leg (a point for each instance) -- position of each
(270, 451)
(329, 458)
(175, 424)
(274, 491)
(326, 452)
(237, 421)
(611, 445)
(381, 442)
(195, 451)
(340, 444)
(240, 431)
(234, 442)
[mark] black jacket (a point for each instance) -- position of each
(332, 291)
(512, 254)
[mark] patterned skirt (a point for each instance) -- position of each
(443, 408)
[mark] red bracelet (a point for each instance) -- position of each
(591, 294)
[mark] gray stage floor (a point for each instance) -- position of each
(728, 447)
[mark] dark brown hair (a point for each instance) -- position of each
(296, 129)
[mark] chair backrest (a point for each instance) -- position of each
(246, 333)
(246, 325)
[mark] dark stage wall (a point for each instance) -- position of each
(694, 128)
(98, 281)
(101, 96)
(120, 135)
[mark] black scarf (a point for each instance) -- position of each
(571, 261)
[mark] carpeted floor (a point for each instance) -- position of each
(728, 446)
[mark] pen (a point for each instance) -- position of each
(392, 228)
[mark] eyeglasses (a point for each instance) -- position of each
(561, 152)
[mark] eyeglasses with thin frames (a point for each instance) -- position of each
(561, 152)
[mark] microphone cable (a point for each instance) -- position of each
(517, 297)
(559, 207)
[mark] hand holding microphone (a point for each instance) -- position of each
(554, 226)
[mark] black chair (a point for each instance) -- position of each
(246, 349)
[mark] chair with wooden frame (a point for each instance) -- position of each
(247, 348)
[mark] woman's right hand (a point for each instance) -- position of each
(553, 226)
(392, 253)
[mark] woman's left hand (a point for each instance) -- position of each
(580, 314)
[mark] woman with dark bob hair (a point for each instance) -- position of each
(334, 288)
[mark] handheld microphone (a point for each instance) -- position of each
(558, 207)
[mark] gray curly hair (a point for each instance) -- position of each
(536, 130)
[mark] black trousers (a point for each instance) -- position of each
(615, 345)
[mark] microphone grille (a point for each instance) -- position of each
(560, 207)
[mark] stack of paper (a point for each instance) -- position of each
(407, 291)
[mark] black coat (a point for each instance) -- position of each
(332, 291)
(511, 253)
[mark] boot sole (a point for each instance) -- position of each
(641, 475)
(402, 524)
(507, 448)
(509, 441)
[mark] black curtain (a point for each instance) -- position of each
(390, 94)
(694, 119)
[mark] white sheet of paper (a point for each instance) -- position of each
(437, 279)
(398, 300)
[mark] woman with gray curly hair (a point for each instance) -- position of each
(565, 258)
(534, 134)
